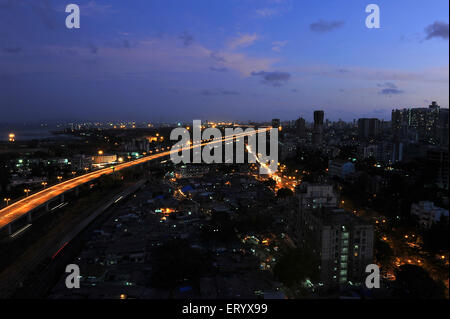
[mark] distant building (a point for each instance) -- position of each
(192, 170)
(424, 122)
(340, 168)
(80, 162)
(287, 149)
(104, 159)
(385, 152)
(300, 126)
(139, 144)
(369, 128)
(439, 159)
(427, 214)
(317, 195)
(442, 127)
(343, 242)
(317, 137)
(276, 123)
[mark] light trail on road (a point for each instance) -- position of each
(27, 204)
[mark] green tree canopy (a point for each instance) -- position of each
(296, 266)
(177, 262)
(414, 282)
(284, 193)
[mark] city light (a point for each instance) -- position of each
(135, 161)
(7, 200)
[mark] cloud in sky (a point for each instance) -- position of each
(217, 57)
(218, 92)
(242, 41)
(435, 74)
(94, 8)
(224, 47)
(437, 30)
(274, 8)
(267, 12)
(278, 45)
(218, 69)
(162, 54)
(275, 78)
(389, 88)
(187, 38)
(323, 26)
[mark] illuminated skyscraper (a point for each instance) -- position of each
(425, 122)
(343, 242)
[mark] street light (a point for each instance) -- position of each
(7, 200)
(27, 191)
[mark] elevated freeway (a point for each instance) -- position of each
(25, 206)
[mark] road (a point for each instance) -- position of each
(281, 181)
(33, 201)
(406, 245)
(50, 245)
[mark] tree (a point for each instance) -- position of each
(5, 175)
(436, 238)
(270, 183)
(219, 230)
(177, 262)
(296, 266)
(383, 252)
(284, 193)
(414, 282)
(254, 222)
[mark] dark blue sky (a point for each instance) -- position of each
(176, 60)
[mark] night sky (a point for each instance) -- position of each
(177, 60)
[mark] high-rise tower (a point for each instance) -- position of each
(317, 136)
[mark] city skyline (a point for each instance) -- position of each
(233, 60)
